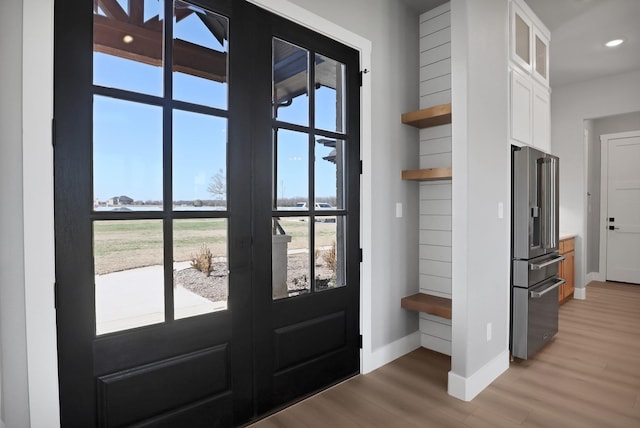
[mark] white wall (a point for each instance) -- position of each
(481, 181)
(605, 125)
(571, 105)
(14, 394)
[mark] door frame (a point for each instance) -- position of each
(38, 179)
(75, 385)
(604, 193)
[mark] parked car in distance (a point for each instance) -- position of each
(318, 205)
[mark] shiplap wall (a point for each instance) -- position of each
(435, 196)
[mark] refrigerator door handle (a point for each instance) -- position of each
(552, 208)
(544, 201)
(537, 266)
(548, 202)
(539, 294)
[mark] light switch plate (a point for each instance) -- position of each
(398, 209)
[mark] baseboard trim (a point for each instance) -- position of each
(467, 388)
(390, 352)
(594, 276)
(580, 293)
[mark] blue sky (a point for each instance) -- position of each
(128, 136)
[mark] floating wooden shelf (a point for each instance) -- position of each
(434, 305)
(432, 116)
(427, 174)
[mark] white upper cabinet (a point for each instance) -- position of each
(529, 94)
(530, 112)
(541, 118)
(521, 101)
(529, 42)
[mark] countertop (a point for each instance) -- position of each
(567, 235)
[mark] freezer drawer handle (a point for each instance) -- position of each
(547, 263)
(538, 294)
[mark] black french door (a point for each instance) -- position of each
(206, 211)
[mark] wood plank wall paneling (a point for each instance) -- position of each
(435, 197)
(588, 377)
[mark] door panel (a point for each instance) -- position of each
(164, 164)
(623, 234)
(311, 338)
(328, 332)
(192, 378)
(133, 349)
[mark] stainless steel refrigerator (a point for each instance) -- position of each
(534, 250)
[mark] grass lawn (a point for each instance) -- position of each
(127, 244)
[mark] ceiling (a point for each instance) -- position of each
(579, 29)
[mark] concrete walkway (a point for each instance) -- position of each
(135, 297)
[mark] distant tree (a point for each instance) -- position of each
(218, 185)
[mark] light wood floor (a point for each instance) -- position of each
(588, 376)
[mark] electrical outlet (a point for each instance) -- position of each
(489, 331)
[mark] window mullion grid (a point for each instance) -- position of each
(312, 187)
(167, 153)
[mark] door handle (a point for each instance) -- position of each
(538, 294)
(613, 228)
(537, 266)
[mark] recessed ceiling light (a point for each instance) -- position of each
(614, 43)
(127, 39)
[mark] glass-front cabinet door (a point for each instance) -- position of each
(520, 43)
(541, 56)
(528, 42)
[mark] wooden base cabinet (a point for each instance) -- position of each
(567, 249)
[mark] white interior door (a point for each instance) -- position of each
(623, 210)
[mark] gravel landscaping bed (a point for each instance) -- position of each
(214, 287)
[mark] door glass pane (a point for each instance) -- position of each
(127, 45)
(292, 168)
(329, 253)
(127, 155)
(200, 46)
(329, 173)
(199, 161)
(290, 267)
(541, 57)
(290, 83)
(200, 268)
(129, 274)
(522, 39)
(330, 94)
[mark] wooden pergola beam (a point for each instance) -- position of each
(113, 10)
(136, 11)
(146, 47)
